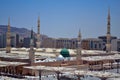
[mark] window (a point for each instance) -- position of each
(95, 46)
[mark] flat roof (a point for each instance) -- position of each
(6, 63)
(100, 74)
(100, 58)
(47, 68)
(73, 71)
(3, 65)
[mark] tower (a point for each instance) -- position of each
(38, 34)
(108, 45)
(8, 40)
(79, 46)
(32, 51)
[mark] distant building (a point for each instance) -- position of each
(14, 40)
(2, 40)
(26, 42)
(115, 45)
(85, 44)
(20, 43)
(48, 43)
(104, 38)
(42, 38)
(66, 43)
(92, 44)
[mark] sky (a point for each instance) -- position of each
(63, 18)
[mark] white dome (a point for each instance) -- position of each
(60, 58)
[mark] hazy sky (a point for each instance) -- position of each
(63, 18)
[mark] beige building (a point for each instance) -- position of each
(85, 44)
(48, 43)
(59, 43)
(115, 45)
(66, 43)
(92, 44)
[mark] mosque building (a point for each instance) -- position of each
(22, 62)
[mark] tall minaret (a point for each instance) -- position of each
(8, 40)
(79, 46)
(38, 34)
(32, 51)
(108, 45)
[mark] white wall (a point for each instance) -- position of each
(114, 44)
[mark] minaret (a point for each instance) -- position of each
(8, 40)
(108, 45)
(32, 51)
(38, 34)
(79, 46)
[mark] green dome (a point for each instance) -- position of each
(65, 53)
